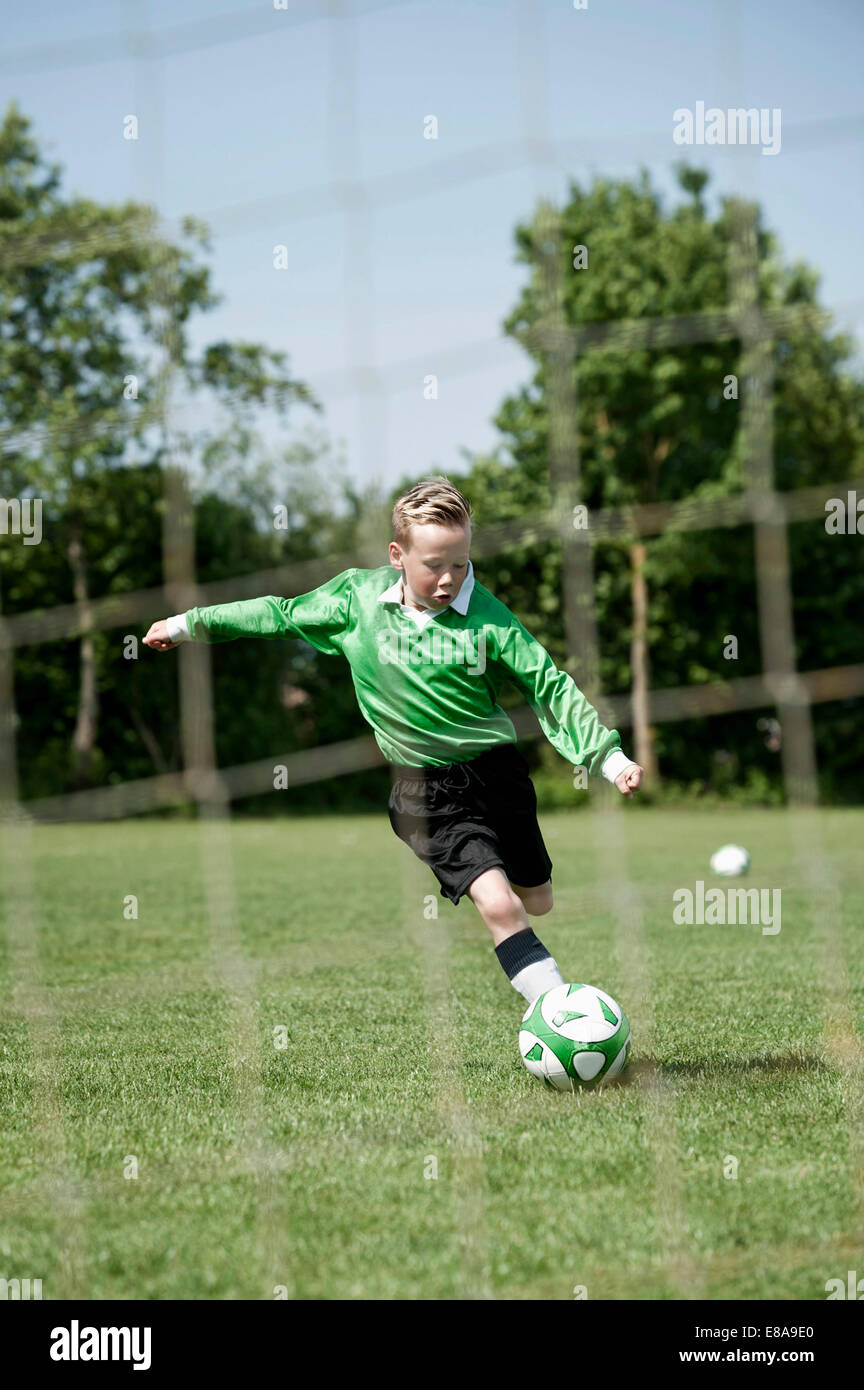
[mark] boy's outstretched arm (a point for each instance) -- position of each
(569, 721)
(319, 617)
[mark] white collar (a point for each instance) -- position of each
(425, 615)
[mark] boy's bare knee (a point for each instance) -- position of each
(498, 905)
(540, 910)
(538, 901)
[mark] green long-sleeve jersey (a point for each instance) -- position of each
(430, 694)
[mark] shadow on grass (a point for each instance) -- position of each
(646, 1072)
(769, 1063)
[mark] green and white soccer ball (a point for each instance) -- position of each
(574, 1035)
(730, 861)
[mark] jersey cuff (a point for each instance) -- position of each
(615, 765)
(178, 630)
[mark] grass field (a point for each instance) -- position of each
(394, 1146)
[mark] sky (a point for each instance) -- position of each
(284, 125)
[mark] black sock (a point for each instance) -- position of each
(528, 965)
(519, 950)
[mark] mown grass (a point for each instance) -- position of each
(395, 1147)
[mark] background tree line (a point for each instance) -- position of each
(82, 317)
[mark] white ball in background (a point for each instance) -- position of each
(730, 860)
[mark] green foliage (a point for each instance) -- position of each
(95, 306)
(92, 296)
(653, 426)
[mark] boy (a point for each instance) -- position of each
(428, 656)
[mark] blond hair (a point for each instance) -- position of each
(435, 502)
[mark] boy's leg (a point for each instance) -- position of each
(498, 905)
(504, 905)
(525, 960)
(538, 901)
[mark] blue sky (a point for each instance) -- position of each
(253, 118)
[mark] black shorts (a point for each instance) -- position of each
(464, 818)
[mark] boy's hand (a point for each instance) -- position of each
(157, 638)
(630, 780)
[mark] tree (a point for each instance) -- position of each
(94, 306)
(652, 424)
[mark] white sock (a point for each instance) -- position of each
(535, 979)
